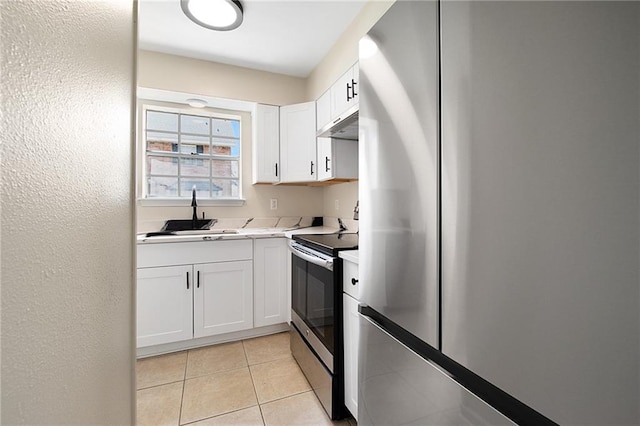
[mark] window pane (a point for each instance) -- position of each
(194, 167)
(203, 187)
(162, 121)
(224, 168)
(162, 142)
(194, 124)
(179, 150)
(225, 188)
(222, 127)
(163, 187)
(162, 165)
(194, 144)
(228, 147)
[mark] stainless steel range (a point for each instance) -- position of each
(316, 314)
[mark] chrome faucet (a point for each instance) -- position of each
(356, 210)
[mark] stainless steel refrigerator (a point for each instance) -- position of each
(499, 214)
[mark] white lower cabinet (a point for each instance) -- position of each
(351, 330)
(222, 298)
(271, 272)
(165, 305)
(177, 302)
(351, 337)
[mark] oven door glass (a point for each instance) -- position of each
(312, 298)
(299, 286)
(320, 309)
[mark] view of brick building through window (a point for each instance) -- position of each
(185, 150)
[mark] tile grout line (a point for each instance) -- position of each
(289, 396)
(184, 385)
(253, 383)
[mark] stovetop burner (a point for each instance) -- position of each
(329, 243)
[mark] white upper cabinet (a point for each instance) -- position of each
(341, 97)
(344, 92)
(266, 144)
(337, 159)
(298, 142)
(323, 110)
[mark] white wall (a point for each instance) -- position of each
(180, 74)
(67, 212)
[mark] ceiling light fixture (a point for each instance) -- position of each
(221, 15)
(196, 103)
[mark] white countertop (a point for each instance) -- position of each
(349, 255)
(234, 234)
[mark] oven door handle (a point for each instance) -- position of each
(326, 264)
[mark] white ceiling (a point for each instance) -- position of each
(282, 36)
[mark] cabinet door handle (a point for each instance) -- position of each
(354, 281)
(276, 169)
(353, 88)
(198, 280)
(187, 280)
(326, 164)
(312, 168)
(349, 97)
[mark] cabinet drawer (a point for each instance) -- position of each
(192, 252)
(350, 279)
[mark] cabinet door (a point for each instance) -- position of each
(164, 305)
(342, 93)
(270, 281)
(266, 144)
(323, 110)
(325, 163)
(355, 83)
(223, 298)
(337, 159)
(298, 142)
(351, 338)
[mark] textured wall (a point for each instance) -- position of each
(67, 212)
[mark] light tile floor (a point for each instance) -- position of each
(252, 382)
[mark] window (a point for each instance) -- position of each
(185, 150)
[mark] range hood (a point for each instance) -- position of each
(343, 127)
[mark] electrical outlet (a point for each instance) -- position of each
(274, 203)
(337, 204)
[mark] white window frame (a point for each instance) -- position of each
(143, 197)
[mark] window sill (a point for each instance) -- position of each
(186, 202)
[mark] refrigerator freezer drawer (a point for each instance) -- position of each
(399, 387)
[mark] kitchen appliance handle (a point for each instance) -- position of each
(326, 264)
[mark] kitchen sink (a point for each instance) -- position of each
(174, 225)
